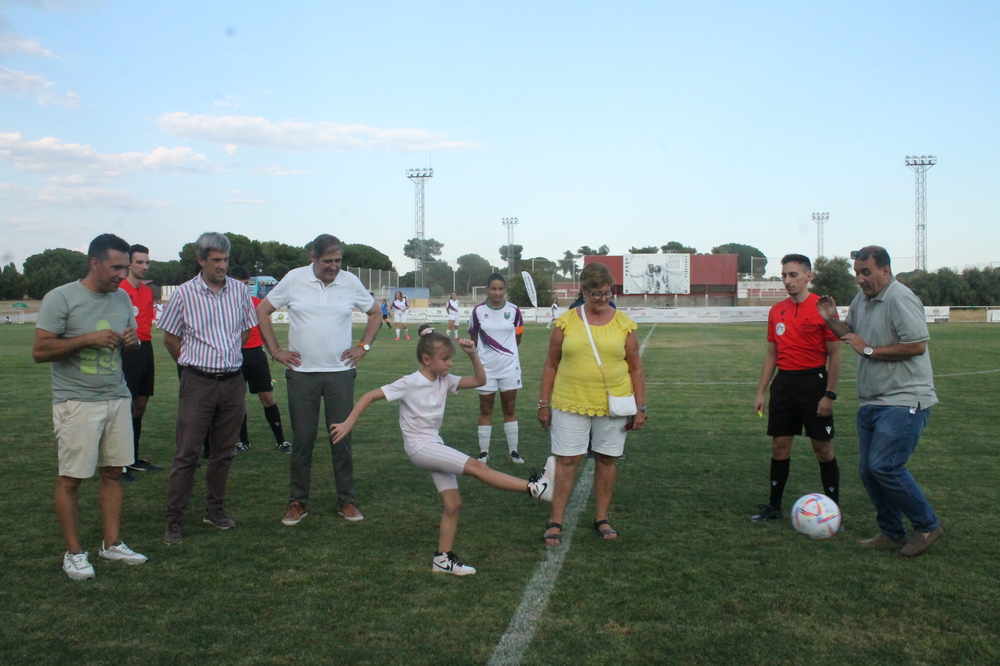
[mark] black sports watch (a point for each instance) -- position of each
(830, 394)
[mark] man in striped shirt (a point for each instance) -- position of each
(205, 324)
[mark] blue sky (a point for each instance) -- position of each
(592, 123)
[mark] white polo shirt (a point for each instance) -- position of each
(319, 316)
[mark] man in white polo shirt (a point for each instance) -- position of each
(321, 359)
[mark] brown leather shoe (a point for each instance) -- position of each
(350, 512)
(882, 540)
(918, 542)
(296, 512)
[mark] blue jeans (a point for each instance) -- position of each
(887, 436)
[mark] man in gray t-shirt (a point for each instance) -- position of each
(82, 329)
(887, 328)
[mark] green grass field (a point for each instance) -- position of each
(690, 580)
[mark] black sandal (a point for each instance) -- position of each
(605, 534)
(551, 536)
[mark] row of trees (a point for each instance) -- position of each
(49, 269)
(973, 286)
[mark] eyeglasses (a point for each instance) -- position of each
(602, 295)
(863, 254)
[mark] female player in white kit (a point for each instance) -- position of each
(452, 309)
(400, 314)
(421, 410)
(495, 326)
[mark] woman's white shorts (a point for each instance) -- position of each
(572, 432)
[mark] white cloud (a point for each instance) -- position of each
(12, 43)
(11, 80)
(52, 155)
(76, 197)
(234, 132)
(275, 170)
(17, 223)
(22, 83)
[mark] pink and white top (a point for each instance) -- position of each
(421, 407)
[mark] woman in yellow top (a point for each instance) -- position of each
(573, 403)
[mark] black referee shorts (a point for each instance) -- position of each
(256, 370)
(139, 369)
(795, 395)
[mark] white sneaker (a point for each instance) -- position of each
(515, 458)
(77, 566)
(541, 487)
(121, 553)
(448, 563)
(484, 457)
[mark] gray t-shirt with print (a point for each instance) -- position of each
(91, 375)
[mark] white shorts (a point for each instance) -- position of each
(572, 432)
(401, 317)
(92, 435)
(502, 384)
(443, 462)
(453, 318)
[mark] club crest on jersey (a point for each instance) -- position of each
(780, 328)
(506, 315)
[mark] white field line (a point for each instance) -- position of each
(515, 641)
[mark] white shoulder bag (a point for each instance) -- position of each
(616, 406)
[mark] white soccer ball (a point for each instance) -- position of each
(816, 516)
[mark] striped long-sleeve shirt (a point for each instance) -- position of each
(210, 324)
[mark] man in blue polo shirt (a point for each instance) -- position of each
(887, 329)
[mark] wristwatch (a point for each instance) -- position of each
(364, 346)
(641, 408)
(868, 351)
(830, 394)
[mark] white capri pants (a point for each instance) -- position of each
(443, 462)
(572, 432)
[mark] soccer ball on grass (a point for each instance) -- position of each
(816, 516)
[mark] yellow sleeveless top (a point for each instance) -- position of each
(578, 387)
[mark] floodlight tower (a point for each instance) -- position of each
(820, 219)
(418, 176)
(509, 222)
(920, 165)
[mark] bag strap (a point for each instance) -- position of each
(593, 345)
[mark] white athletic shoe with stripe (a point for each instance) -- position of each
(448, 563)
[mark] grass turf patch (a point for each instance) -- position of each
(690, 580)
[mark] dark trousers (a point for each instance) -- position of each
(305, 390)
(212, 408)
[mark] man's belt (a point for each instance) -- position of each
(207, 374)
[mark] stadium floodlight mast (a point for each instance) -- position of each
(510, 222)
(418, 176)
(820, 219)
(920, 165)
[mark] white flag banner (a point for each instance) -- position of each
(529, 286)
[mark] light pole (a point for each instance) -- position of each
(509, 222)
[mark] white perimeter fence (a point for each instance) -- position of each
(642, 315)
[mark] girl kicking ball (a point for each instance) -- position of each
(421, 411)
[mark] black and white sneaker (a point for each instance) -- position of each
(241, 447)
(540, 487)
(515, 458)
(144, 466)
(128, 476)
(284, 447)
(484, 457)
(767, 512)
(448, 563)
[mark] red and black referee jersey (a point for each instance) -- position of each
(800, 334)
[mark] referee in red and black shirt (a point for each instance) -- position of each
(807, 356)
